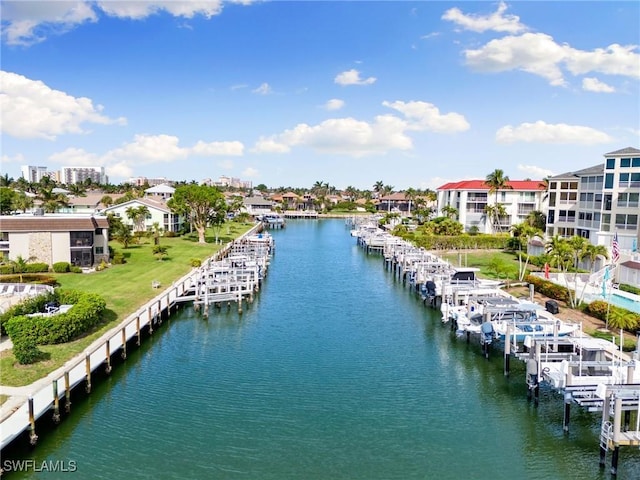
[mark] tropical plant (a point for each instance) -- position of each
(138, 215)
(202, 204)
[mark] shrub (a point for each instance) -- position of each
(37, 267)
(615, 317)
(75, 269)
(629, 288)
(195, 262)
(61, 267)
(170, 234)
(547, 288)
(6, 269)
(30, 278)
(30, 305)
(25, 349)
(118, 258)
(51, 329)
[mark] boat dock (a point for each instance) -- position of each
(231, 275)
(591, 373)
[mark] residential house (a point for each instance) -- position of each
(158, 213)
(81, 240)
(257, 205)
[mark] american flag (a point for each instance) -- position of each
(615, 248)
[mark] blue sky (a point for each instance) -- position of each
(414, 94)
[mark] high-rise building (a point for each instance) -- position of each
(70, 175)
(34, 174)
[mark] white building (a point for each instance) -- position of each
(158, 213)
(471, 197)
(34, 174)
(70, 175)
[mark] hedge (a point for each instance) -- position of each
(37, 267)
(61, 267)
(29, 305)
(547, 288)
(615, 317)
(52, 329)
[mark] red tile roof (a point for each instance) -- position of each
(482, 185)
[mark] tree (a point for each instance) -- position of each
(378, 187)
(22, 202)
(496, 181)
(563, 256)
(106, 200)
(523, 232)
(138, 215)
(160, 251)
(495, 214)
(537, 220)
(7, 200)
(201, 204)
(450, 212)
(411, 195)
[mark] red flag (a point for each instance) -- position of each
(546, 270)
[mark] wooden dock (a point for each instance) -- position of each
(244, 264)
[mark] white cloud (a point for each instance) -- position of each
(77, 157)
(535, 53)
(29, 22)
(334, 104)
(119, 170)
(560, 133)
(147, 149)
(595, 85)
(263, 89)
(352, 77)
(270, 145)
(426, 116)
(137, 9)
(496, 21)
(613, 60)
(429, 35)
(539, 54)
(18, 158)
(26, 22)
(31, 109)
(535, 172)
(345, 136)
(250, 172)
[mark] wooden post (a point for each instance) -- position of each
(567, 411)
(507, 350)
(87, 364)
(108, 357)
(56, 403)
(67, 392)
(617, 419)
(606, 402)
(124, 343)
(33, 438)
(139, 334)
(150, 316)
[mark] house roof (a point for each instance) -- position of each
(395, 196)
(51, 223)
(623, 151)
(162, 188)
(595, 170)
(518, 185)
(290, 195)
(92, 199)
(631, 264)
(156, 204)
(257, 201)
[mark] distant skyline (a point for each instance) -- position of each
(414, 94)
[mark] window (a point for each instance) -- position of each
(81, 239)
(607, 202)
(611, 163)
(626, 200)
(630, 180)
(552, 186)
(605, 225)
(635, 162)
(99, 250)
(625, 162)
(608, 180)
(626, 222)
(552, 199)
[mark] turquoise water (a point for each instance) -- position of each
(625, 302)
(336, 371)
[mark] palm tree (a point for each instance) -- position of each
(450, 212)
(378, 187)
(22, 202)
(411, 195)
(51, 201)
(138, 215)
(5, 180)
(523, 232)
(564, 253)
(497, 181)
(495, 213)
(106, 200)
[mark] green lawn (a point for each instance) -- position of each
(125, 288)
(494, 264)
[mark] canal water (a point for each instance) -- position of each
(336, 371)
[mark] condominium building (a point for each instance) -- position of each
(598, 202)
(34, 174)
(470, 199)
(70, 175)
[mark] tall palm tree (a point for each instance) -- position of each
(22, 202)
(138, 215)
(378, 187)
(410, 194)
(497, 181)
